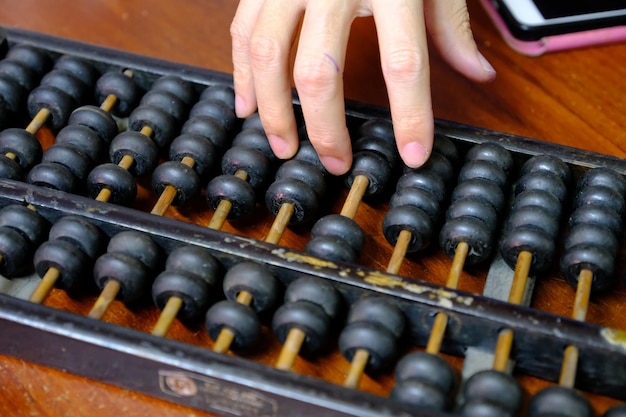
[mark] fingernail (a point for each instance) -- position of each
(334, 165)
(279, 146)
(485, 64)
(414, 154)
(240, 106)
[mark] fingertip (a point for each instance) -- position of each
(242, 108)
(414, 154)
(334, 165)
(282, 148)
(489, 73)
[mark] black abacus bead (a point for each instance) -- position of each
(471, 230)
(596, 259)
(487, 170)
(176, 86)
(304, 199)
(374, 167)
(559, 401)
(601, 196)
(380, 128)
(54, 176)
(543, 181)
(11, 94)
(165, 101)
(178, 175)
(80, 232)
(34, 58)
(9, 169)
(218, 110)
(341, 227)
(417, 197)
(78, 68)
(472, 207)
(210, 129)
(236, 317)
(547, 164)
(131, 273)
(495, 387)
(250, 160)
(423, 379)
(412, 219)
(57, 102)
(304, 315)
(331, 248)
(380, 312)
(72, 263)
(424, 180)
(591, 214)
(307, 153)
(116, 179)
(220, 92)
(315, 290)
(419, 393)
(530, 239)
(256, 280)
(23, 144)
(535, 216)
(491, 152)
(256, 139)
(139, 147)
(197, 147)
(72, 158)
(66, 82)
(83, 138)
(603, 177)
(96, 119)
(305, 172)
(239, 192)
(16, 250)
(443, 145)
(139, 244)
(163, 125)
(440, 165)
(481, 189)
(376, 340)
(126, 90)
(19, 73)
(191, 288)
(26, 222)
(541, 198)
(479, 408)
(588, 234)
(252, 122)
(616, 411)
(385, 148)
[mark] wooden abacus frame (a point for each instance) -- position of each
(224, 384)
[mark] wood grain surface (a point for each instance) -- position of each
(575, 98)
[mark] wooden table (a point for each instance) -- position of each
(575, 98)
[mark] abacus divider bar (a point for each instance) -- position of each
(355, 196)
(280, 223)
(108, 294)
(291, 348)
(169, 193)
(45, 285)
(167, 316)
(399, 252)
(38, 121)
(223, 208)
(357, 368)
(226, 336)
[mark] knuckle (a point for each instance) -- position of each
(239, 34)
(264, 51)
(408, 63)
(315, 78)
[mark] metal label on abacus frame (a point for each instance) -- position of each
(212, 393)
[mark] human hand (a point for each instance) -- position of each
(263, 32)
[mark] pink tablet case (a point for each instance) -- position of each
(558, 42)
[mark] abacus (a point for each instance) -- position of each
(91, 137)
